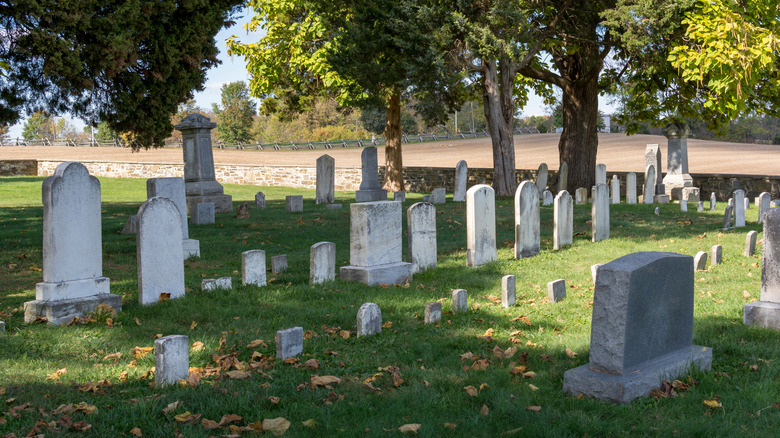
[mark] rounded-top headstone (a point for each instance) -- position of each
(369, 320)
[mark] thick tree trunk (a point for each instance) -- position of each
(394, 175)
(499, 112)
(579, 140)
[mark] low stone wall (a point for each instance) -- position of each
(18, 168)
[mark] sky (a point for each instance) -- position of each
(234, 69)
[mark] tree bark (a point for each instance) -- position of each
(499, 113)
(394, 175)
(579, 140)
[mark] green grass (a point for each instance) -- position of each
(744, 376)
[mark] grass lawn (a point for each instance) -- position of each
(450, 378)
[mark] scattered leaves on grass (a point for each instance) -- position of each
(277, 426)
(94, 387)
(140, 352)
(533, 408)
(410, 428)
(484, 411)
(311, 364)
(257, 343)
(472, 391)
(229, 418)
(198, 346)
(187, 418)
(136, 432)
(518, 369)
(504, 354)
(78, 407)
(238, 374)
(524, 319)
(713, 404)
(171, 407)
(56, 375)
(570, 353)
(208, 424)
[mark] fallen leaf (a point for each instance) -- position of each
(198, 346)
(714, 404)
(81, 426)
(257, 343)
(472, 391)
(489, 333)
(529, 375)
(450, 426)
(571, 353)
(277, 426)
(520, 369)
(137, 321)
(324, 380)
(165, 296)
(466, 356)
(310, 423)
(229, 418)
(140, 352)
(410, 428)
(345, 334)
(171, 407)
(135, 432)
(484, 411)
(498, 353)
(193, 325)
(56, 375)
(532, 387)
(533, 408)
(509, 352)
(187, 418)
(238, 374)
(208, 424)
(273, 400)
(311, 364)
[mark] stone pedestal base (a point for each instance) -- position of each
(222, 203)
(675, 183)
(51, 291)
(391, 273)
(661, 199)
(63, 311)
(762, 314)
(191, 248)
(371, 195)
(690, 194)
(638, 381)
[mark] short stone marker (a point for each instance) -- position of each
(73, 282)
(713, 201)
(213, 284)
(727, 217)
(370, 190)
(746, 201)
(260, 200)
(527, 240)
(683, 205)
(556, 290)
(173, 189)
(700, 261)
(278, 264)
(204, 214)
(432, 313)
(631, 188)
(399, 196)
(594, 270)
(460, 302)
(369, 320)
(325, 185)
(764, 201)
(322, 262)
(563, 220)
(547, 198)
(717, 254)
(158, 251)
(600, 213)
(581, 196)
(658, 211)
(766, 313)
(508, 291)
(615, 190)
(375, 245)
(242, 212)
(294, 203)
(730, 202)
(541, 179)
(461, 180)
(739, 208)
(601, 174)
(131, 226)
(750, 243)
(480, 225)
(2, 327)
(642, 328)
(438, 196)
(648, 194)
(171, 360)
(289, 342)
(421, 224)
(253, 267)
(690, 194)
(563, 177)
(774, 203)
(700, 206)
(333, 206)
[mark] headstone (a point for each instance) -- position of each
(746, 201)
(322, 262)
(750, 243)
(253, 267)
(131, 225)
(294, 203)
(2, 327)
(658, 211)
(563, 177)
(199, 176)
(727, 217)
(278, 263)
(204, 214)
(641, 330)
(399, 196)
(369, 320)
(601, 174)
(717, 254)
(547, 198)
(677, 176)
(375, 245)
(683, 205)
(541, 179)
(556, 290)
(739, 208)
(421, 223)
(690, 194)
(700, 206)
(527, 226)
(713, 201)
(581, 196)
(700, 261)
(480, 225)
(158, 251)
(171, 360)
(426, 198)
(563, 220)
(615, 190)
(335, 206)
(594, 269)
(242, 212)
(326, 185)
(289, 342)
(173, 189)
(211, 284)
(647, 194)
(631, 188)
(653, 158)
(508, 291)
(766, 313)
(460, 301)
(432, 312)
(260, 200)
(730, 202)
(600, 213)
(461, 179)
(764, 200)
(73, 282)
(370, 190)
(774, 203)
(439, 196)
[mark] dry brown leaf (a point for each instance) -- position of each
(136, 432)
(257, 343)
(238, 374)
(311, 364)
(714, 404)
(324, 380)
(137, 321)
(106, 309)
(229, 418)
(571, 353)
(520, 369)
(140, 352)
(171, 407)
(467, 356)
(484, 411)
(198, 346)
(273, 400)
(123, 376)
(498, 353)
(115, 356)
(450, 426)
(345, 334)
(81, 426)
(489, 333)
(165, 296)
(410, 428)
(529, 375)
(193, 325)
(509, 352)
(310, 423)
(187, 418)
(533, 408)
(532, 387)
(56, 375)
(208, 424)
(277, 426)
(472, 391)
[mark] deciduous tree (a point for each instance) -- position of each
(236, 114)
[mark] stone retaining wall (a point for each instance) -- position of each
(18, 168)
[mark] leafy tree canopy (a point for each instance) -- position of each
(236, 114)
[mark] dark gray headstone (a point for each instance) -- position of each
(766, 313)
(727, 217)
(370, 190)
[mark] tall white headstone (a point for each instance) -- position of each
(601, 174)
(158, 251)
(480, 225)
(421, 222)
(600, 213)
(739, 208)
(326, 186)
(615, 190)
(766, 313)
(461, 179)
(370, 190)
(563, 220)
(631, 188)
(764, 200)
(322, 262)
(649, 191)
(253, 267)
(526, 220)
(173, 189)
(541, 178)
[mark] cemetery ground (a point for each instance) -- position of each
(488, 372)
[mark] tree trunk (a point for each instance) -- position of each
(579, 140)
(499, 113)
(394, 175)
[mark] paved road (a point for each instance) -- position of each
(619, 152)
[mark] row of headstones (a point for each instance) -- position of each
(700, 259)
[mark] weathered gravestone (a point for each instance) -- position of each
(766, 313)
(322, 262)
(199, 176)
(683, 205)
(171, 360)
(615, 190)
(242, 212)
(547, 198)
(563, 177)
(527, 241)
(260, 200)
(601, 174)
(700, 206)
(713, 201)
(746, 201)
(764, 200)
(727, 217)
(563, 220)
(461, 180)
(370, 190)
(556, 290)
(278, 263)
(750, 243)
(375, 245)
(677, 175)
(600, 213)
(131, 225)
(158, 251)
(541, 179)
(581, 196)
(289, 342)
(739, 208)
(369, 320)
(173, 189)
(294, 203)
(438, 196)
(647, 194)
(508, 291)
(480, 225)
(399, 196)
(631, 188)
(73, 282)
(594, 270)
(717, 254)
(653, 158)
(326, 183)
(700, 261)
(690, 194)
(432, 312)
(642, 328)
(214, 284)
(421, 224)
(460, 302)
(253, 267)
(204, 214)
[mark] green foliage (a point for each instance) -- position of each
(37, 126)
(236, 115)
(104, 133)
